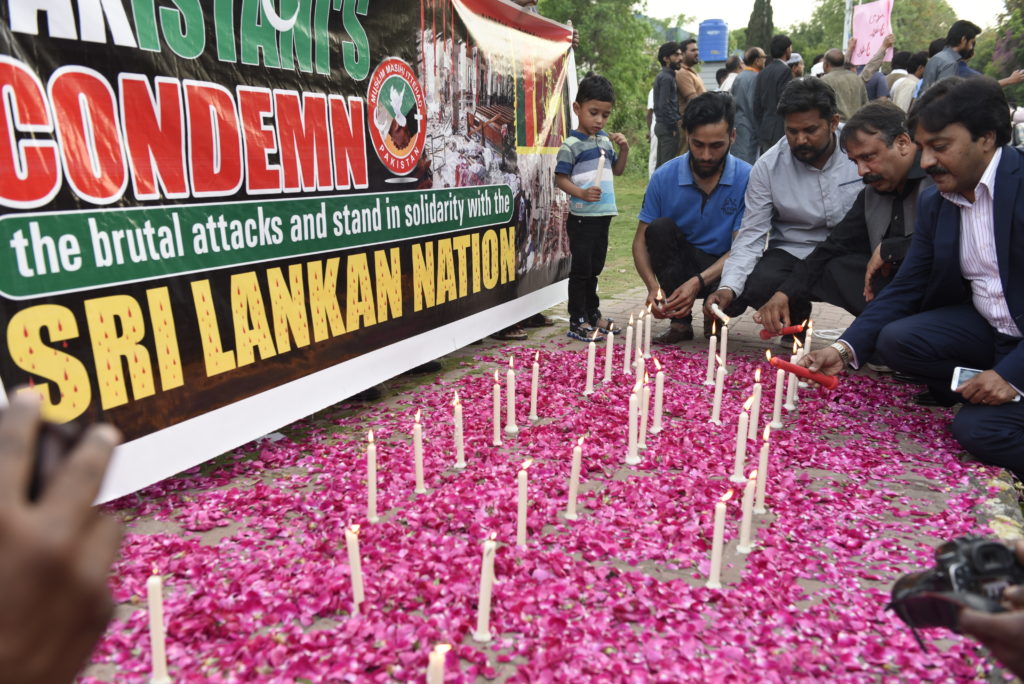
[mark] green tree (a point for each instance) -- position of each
(738, 40)
(760, 27)
(1008, 50)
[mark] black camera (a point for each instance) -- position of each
(969, 572)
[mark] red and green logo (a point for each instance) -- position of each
(397, 115)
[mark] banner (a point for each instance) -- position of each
(871, 24)
(219, 217)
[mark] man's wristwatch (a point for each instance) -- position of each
(844, 352)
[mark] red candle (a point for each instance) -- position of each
(827, 381)
(788, 330)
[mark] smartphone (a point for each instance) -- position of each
(962, 375)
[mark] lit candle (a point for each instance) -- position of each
(435, 670)
(371, 478)
(639, 344)
(741, 443)
(648, 321)
(718, 543)
(496, 441)
(521, 517)
(417, 454)
(755, 408)
(709, 379)
(627, 358)
(632, 457)
(460, 442)
(791, 381)
(715, 309)
(510, 399)
(748, 514)
(724, 347)
(716, 406)
(659, 397)
(827, 381)
(534, 386)
(483, 609)
(645, 409)
(155, 599)
(609, 347)
(808, 337)
(780, 378)
(574, 481)
(762, 475)
(591, 353)
(355, 566)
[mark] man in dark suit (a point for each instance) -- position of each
(768, 91)
(958, 298)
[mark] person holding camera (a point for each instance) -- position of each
(1001, 633)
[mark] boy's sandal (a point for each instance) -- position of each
(511, 333)
(607, 326)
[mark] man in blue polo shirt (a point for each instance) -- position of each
(692, 207)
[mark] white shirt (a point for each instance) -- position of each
(978, 259)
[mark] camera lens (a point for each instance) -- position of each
(992, 557)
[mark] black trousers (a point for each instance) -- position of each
(842, 283)
(674, 260)
(588, 244)
(774, 266)
(930, 345)
(668, 141)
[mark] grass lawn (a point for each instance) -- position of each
(619, 273)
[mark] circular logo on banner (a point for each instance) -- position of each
(397, 121)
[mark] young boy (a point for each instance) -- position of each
(587, 151)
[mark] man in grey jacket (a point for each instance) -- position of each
(745, 146)
(959, 46)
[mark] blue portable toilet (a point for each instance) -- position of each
(713, 40)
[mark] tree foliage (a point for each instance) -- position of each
(1008, 48)
(915, 23)
(760, 27)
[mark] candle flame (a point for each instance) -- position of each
(526, 464)
(766, 433)
(354, 529)
(631, 319)
(511, 362)
(795, 343)
(580, 443)
(757, 375)
(649, 308)
(492, 536)
(726, 496)
(748, 403)
(752, 475)
(714, 328)
(647, 377)
(369, 436)
(804, 324)
(417, 415)
(456, 401)
(657, 365)
(593, 337)
(495, 377)
(768, 354)
(155, 571)
(442, 648)
(536, 356)
(660, 295)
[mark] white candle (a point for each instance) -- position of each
(609, 351)
(718, 543)
(355, 566)
(534, 386)
(435, 670)
(155, 599)
(780, 376)
(715, 309)
(741, 443)
(808, 337)
(645, 409)
(748, 514)
(632, 457)
(574, 481)
(648, 321)
(600, 171)
(791, 387)
(724, 351)
(483, 609)
(716, 406)
(659, 397)
(709, 379)
(755, 408)
(521, 517)
(510, 399)
(591, 354)
(417, 455)
(639, 344)
(371, 479)
(762, 475)
(460, 442)
(627, 358)
(496, 440)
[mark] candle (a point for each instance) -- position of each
(741, 443)
(724, 344)
(808, 337)
(780, 377)
(417, 454)
(755, 409)
(609, 347)
(460, 442)
(717, 543)
(709, 379)
(496, 441)
(716, 407)
(639, 344)
(715, 309)
(355, 566)
(371, 478)
(648, 321)
(762, 475)
(155, 599)
(627, 357)
(534, 385)
(435, 670)
(788, 330)
(645, 409)
(591, 352)
(510, 399)
(791, 381)
(659, 397)
(574, 481)
(748, 514)
(827, 381)
(632, 457)
(521, 517)
(483, 608)
(600, 170)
